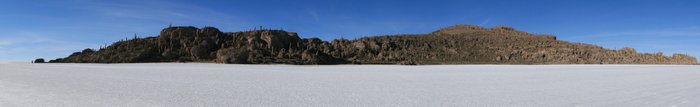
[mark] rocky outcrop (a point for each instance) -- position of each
(232, 55)
(461, 44)
(39, 60)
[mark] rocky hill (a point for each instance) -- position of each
(460, 44)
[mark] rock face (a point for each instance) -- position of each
(460, 44)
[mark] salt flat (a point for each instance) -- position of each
(197, 84)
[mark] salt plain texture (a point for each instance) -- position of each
(198, 84)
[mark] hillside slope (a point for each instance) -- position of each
(460, 44)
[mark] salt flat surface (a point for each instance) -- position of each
(195, 84)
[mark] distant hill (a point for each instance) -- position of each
(460, 44)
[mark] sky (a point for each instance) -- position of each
(50, 29)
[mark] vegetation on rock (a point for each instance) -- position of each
(460, 44)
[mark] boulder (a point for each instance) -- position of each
(627, 50)
(232, 56)
(313, 56)
(202, 50)
(278, 39)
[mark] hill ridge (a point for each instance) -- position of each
(459, 44)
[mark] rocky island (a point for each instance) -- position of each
(459, 44)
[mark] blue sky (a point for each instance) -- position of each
(52, 28)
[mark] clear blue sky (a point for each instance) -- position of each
(56, 28)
